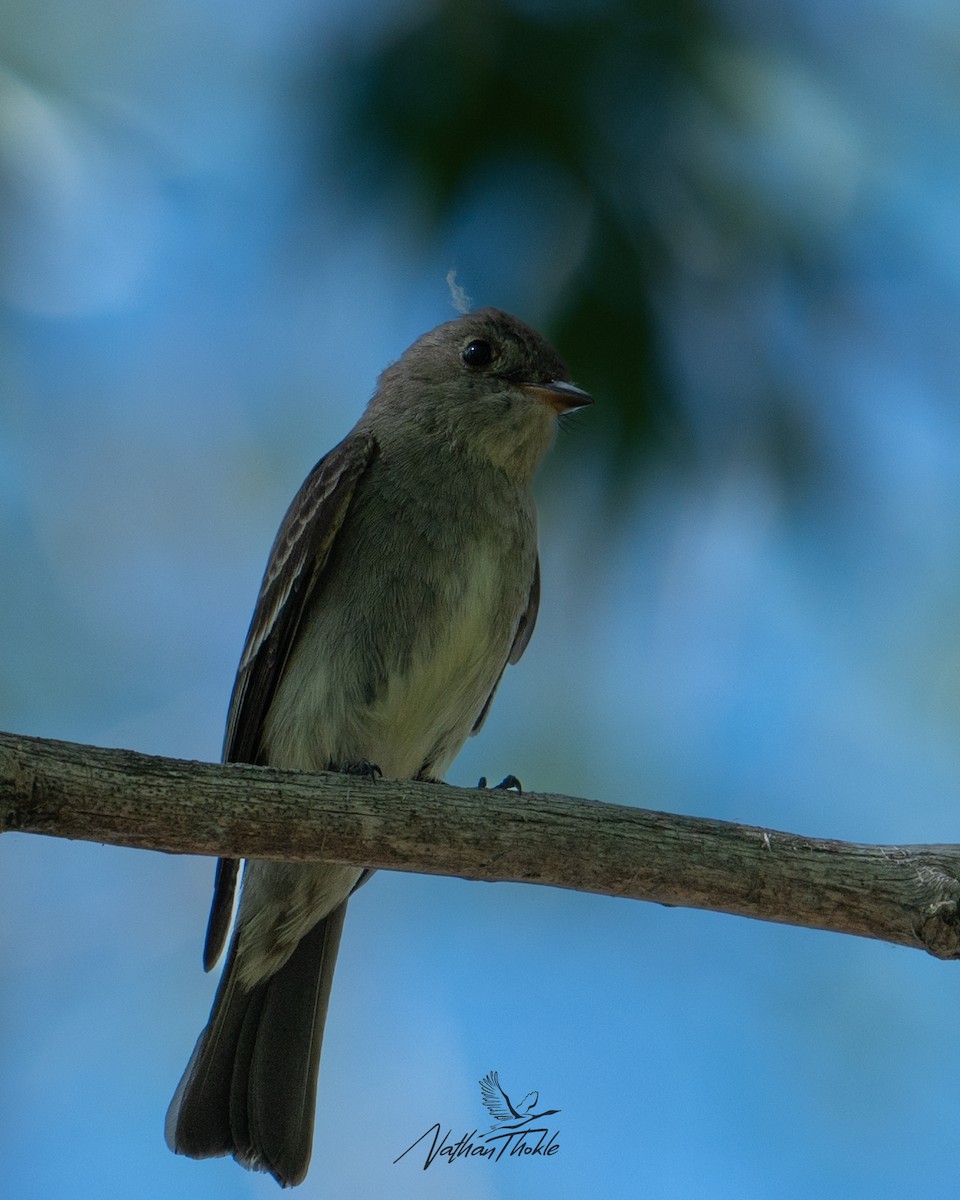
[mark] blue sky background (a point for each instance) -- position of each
(182, 335)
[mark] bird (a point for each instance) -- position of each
(404, 579)
(499, 1106)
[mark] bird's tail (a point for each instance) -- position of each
(250, 1087)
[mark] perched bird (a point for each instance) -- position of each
(403, 580)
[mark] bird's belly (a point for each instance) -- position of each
(426, 702)
(423, 716)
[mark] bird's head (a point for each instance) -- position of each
(486, 384)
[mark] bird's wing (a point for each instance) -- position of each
(521, 638)
(529, 619)
(495, 1098)
(294, 570)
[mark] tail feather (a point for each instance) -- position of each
(250, 1087)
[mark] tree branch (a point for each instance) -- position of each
(909, 895)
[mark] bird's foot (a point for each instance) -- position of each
(509, 783)
(362, 767)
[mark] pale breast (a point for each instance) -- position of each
(439, 646)
(423, 716)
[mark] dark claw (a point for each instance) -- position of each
(367, 769)
(509, 783)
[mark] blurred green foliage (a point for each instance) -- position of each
(588, 90)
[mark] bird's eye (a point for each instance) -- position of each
(477, 353)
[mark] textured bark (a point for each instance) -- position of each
(908, 895)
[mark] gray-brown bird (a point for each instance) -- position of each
(403, 580)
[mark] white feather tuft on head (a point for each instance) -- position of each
(458, 297)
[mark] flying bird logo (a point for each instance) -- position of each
(514, 1134)
(509, 1115)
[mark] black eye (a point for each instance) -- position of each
(477, 354)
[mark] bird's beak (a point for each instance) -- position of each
(562, 397)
